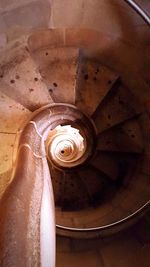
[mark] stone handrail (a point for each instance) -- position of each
(27, 221)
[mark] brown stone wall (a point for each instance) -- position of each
(113, 17)
(19, 17)
(118, 22)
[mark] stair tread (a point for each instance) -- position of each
(12, 114)
(57, 183)
(93, 83)
(21, 81)
(74, 195)
(106, 163)
(94, 183)
(123, 138)
(58, 67)
(126, 167)
(119, 106)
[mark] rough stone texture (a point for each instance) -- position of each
(10, 4)
(21, 205)
(93, 84)
(46, 38)
(12, 118)
(126, 249)
(6, 152)
(74, 11)
(3, 26)
(114, 23)
(5, 178)
(142, 230)
(21, 81)
(90, 259)
(144, 121)
(146, 160)
(127, 138)
(122, 252)
(111, 17)
(25, 14)
(131, 62)
(12, 115)
(17, 203)
(58, 69)
(3, 40)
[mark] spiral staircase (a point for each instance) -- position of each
(74, 148)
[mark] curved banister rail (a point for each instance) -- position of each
(139, 10)
(27, 232)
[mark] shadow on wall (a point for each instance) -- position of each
(129, 34)
(110, 16)
(19, 17)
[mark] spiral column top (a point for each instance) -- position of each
(66, 146)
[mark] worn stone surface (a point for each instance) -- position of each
(20, 17)
(5, 179)
(124, 138)
(21, 80)
(10, 4)
(145, 163)
(3, 40)
(73, 10)
(117, 107)
(46, 38)
(6, 152)
(121, 252)
(106, 164)
(90, 259)
(128, 248)
(3, 26)
(58, 67)
(93, 83)
(12, 115)
(24, 16)
(108, 17)
(113, 17)
(144, 121)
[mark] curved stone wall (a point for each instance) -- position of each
(124, 43)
